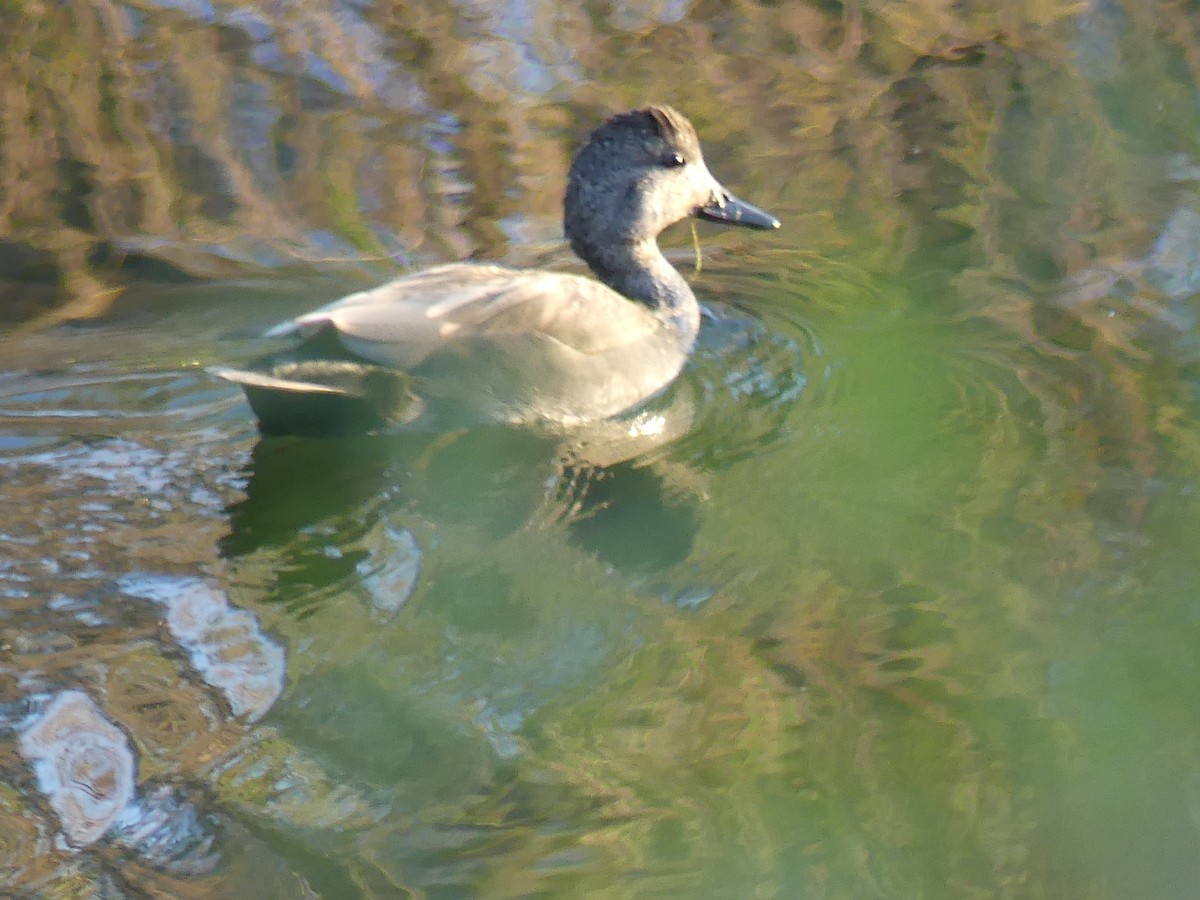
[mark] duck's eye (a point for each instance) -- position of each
(673, 160)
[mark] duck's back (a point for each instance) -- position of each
(511, 344)
(404, 321)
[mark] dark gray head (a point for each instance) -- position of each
(638, 173)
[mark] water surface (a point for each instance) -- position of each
(892, 595)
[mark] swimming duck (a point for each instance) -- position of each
(511, 345)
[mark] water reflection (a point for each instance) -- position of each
(84, 765)
(903, 605)
(225, 645)
(86, 770)
(392, 567)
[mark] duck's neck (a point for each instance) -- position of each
(641, 272)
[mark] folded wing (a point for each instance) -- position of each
(404, 321)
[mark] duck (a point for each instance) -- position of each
(492, 344)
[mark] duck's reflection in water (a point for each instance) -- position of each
(320, 516)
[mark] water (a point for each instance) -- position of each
(892, 595)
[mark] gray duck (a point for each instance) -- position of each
(497, 344)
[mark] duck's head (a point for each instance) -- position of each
(638, 173)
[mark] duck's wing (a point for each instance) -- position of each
(404, 321)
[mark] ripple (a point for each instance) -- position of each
(750, 371)
(92, 395)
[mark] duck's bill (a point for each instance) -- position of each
(729, 210)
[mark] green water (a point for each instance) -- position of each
(903, 605)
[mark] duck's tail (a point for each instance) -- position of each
(323, 398)
(263, 381)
